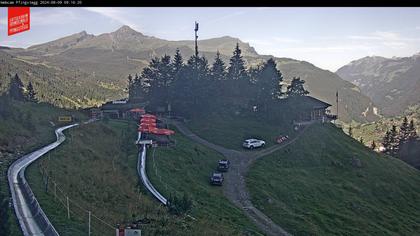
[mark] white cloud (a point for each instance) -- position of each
(53, 17)
(326, 49)
(387, 36)
(115, 14)
(286, 40)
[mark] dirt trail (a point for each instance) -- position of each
(235, 187)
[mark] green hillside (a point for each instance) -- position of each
(24, 127)
(66, 86)
(329, 184)
(186, 168)
(97, 170)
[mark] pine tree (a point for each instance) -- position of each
(16, 88)
(218, 70)
(386, 142)
(269, 80)
(404, 131)
(393, 140)
(373, 145)
(296, 88)
(156, 80)
(236, 68)
(31, 93)
(412, 133)
(177, 63)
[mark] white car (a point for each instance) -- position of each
(253, 143)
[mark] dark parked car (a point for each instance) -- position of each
(216, 179)
(223, 165)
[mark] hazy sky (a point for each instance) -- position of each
(327, 37)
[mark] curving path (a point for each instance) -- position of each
(31, 217)
(235, 188)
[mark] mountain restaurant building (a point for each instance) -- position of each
(315, 110)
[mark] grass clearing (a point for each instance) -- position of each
(231, 131)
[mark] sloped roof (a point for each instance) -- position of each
(315, 103)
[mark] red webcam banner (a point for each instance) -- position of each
(18, 20)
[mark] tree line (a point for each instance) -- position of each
(18, 92)
(195, 86)
(398, 142)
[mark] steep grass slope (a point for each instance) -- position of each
(24, 127)
(329, 184)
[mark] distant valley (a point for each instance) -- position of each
(393, 84)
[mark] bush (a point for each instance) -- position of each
(179, 206)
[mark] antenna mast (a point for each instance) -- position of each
(196, 37)
(336, 95)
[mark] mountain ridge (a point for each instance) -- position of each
(391, 83)
(125, 51)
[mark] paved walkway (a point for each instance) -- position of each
(235, 187)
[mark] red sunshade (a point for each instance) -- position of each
(147, 129)
(137, 110)
(147, 120)
(148, 116)
(164, 132)
(148, 125)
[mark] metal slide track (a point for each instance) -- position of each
(31, 217)
(141, 170)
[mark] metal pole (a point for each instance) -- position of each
(89, 224)
(196, 37)
(337, 103)
(68, 208)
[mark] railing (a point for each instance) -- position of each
(38, 214)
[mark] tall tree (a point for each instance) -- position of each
(16, 88)
(394, 140)
(178, 62)
(236, 68)
(218, 69)
(268, 83)
(158, 77)
(404, 131)
(373, 145)
(412, 133)
(130, 87)
(386, 142)
(296, 88)
(31, 93)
